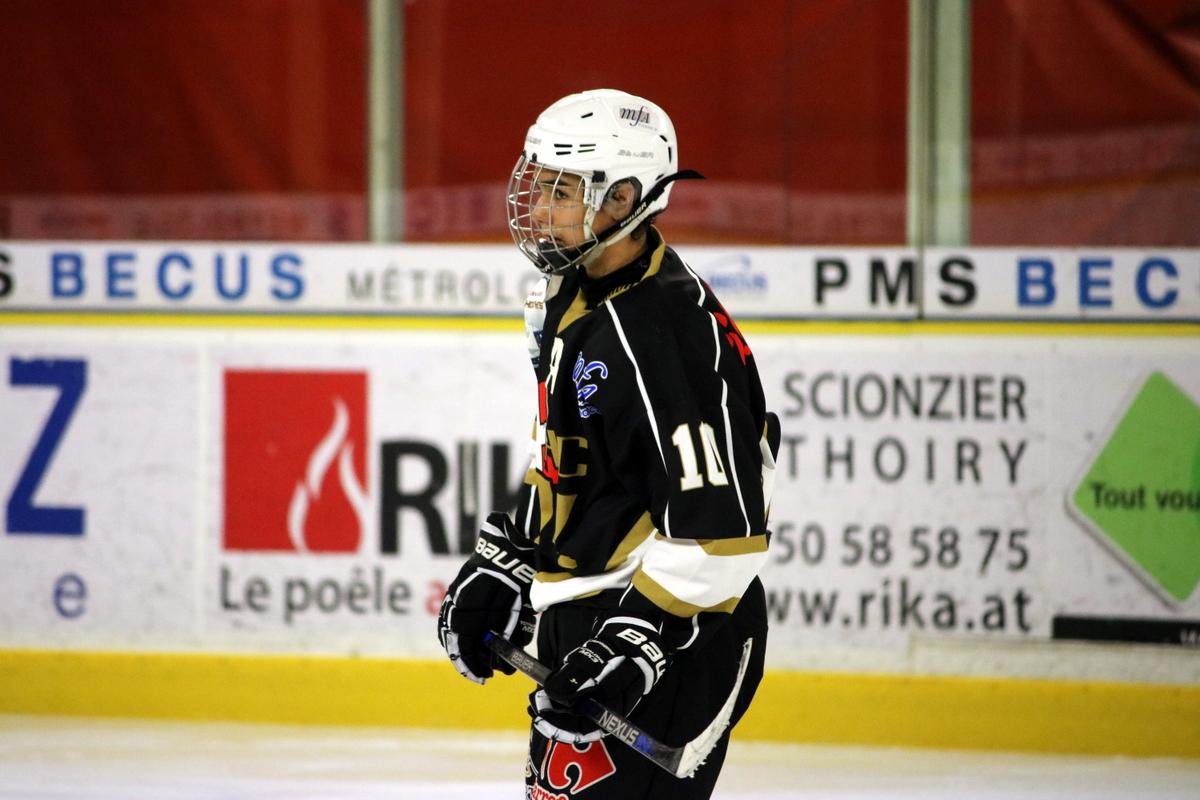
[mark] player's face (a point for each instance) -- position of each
(559, 210)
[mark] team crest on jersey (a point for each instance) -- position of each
(582, 372)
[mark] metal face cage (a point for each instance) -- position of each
(550, 214)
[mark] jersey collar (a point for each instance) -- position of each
(593, 293)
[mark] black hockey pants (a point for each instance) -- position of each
(685, 701)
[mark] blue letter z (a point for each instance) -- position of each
(22, 515)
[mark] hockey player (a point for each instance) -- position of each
(641, 531)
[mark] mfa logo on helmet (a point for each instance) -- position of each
(636, 116)
(295, 461)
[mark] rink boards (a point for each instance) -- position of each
(235, 508)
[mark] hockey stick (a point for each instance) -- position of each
(682, 762)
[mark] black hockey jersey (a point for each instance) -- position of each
(649, 463)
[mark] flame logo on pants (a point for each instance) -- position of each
(590, 764)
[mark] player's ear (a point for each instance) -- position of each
(620, 200)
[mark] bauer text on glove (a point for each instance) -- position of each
(491, 593)
(617, 667)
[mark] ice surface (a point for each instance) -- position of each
(56, 757)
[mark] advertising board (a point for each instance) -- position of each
(315, 492)
(777, 283)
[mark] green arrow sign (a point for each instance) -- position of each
(1142, 492)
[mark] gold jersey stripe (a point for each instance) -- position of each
(640, 531)
(735, 546)
(552, 577)
(577, 310)
(673, 605)
(563, 503)
(656, 258)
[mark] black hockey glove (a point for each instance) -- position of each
(618, 666)
(491, 593)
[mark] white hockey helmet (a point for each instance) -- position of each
(602, 137)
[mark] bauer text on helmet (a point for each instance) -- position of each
(577, 155)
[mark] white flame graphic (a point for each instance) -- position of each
(332, 445)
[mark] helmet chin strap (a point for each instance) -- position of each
(621, 229)
(557, 259)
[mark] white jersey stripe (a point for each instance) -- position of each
(695, 633)
(637, 372)
(699, 285)
(690, 574)
(533, 499)
(737, 485)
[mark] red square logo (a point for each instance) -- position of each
(295, 461)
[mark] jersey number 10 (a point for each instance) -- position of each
(713, 468)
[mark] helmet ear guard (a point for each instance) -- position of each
(642, 211)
